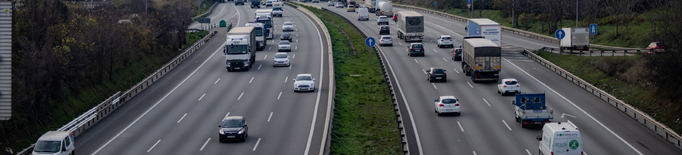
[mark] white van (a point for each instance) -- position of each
(55, 143)
(560, 139)
(363, 14)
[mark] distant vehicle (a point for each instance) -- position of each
(304, 82)
(436, 74)
(350, 8)
(265, 16)
(277, 8)
(255, 4)
(384, 29)
(656, 47)
(415, 49)
(350, 3)
(233, 128)
(576, 39)
(330, 3)
(485, 27)
(385, 8)
(530, 109)
(560, 139)
(284, 45)
(240, 48)
(457, 54)
(382, 20)
(410, 26)
(371, 5)
(447, 104)
(339, 5)
(481, 59)
(238, 2)
(261, 31)
(445, 41)
(288, 26)
(277, 13)
(55, 142)
(316, 1)
(286, 36)
(280, 59)
(363, 14)
(386, 40)
(268, 3)
(508, 85)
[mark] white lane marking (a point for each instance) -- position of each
(407, 50)
(294, 56)
(455, 69)
(461, 128)
(297, 35)
(228, 114)
(183, 116)
(280, 95)
(295, 47)
(259, 66)
(424, 43)
(434, 85)
(251, 79)
(415, 60)
(271, 114)
(270, 46)
(290, 66)
(565, 114)
(202, 96)
(273, 41)
(528, 152)
(296, 40)
(400, 43)
(486, 102)
(424, 71)
(155, 104)
(442, 28)
(216, 81)
(576, 106)
(474, 152)
(265, 56)
(157, 142)
(435, 50)
(317, 101)
(470, 85)
(256, 146)
(428, 31)
(202, 147)
(240, 96)
(505, 123)
(446, 60)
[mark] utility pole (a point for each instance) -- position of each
(513, 7)
(472, 8)
(576, 13)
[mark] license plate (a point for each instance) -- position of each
(236, 68)
(230, 136)
(438, 77)
(537, 122)
(448, 110)
(417, 50)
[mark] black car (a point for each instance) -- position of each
(436, 74)
(415, 49)
(233, 128)
(384, 29)
(286, 36)
(457, 54)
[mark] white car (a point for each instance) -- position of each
(339, 5)
(280, 59)
(445, 41)
(386, 40)
(276, 13)
(288, 26)
(284, 45)
(382, 20)
(304, 82)
(447, 104)
(330, 3)
(508, 85)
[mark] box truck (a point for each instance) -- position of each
(576, 39)
(485, 27)
(240, 48)
(481, 59)
(410, 26)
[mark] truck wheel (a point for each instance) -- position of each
(523, 126)
(473, 77)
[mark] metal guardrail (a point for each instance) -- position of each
(510, 30)
(641, 117)
(595, 52)
(89, 118)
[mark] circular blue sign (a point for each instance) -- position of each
(560, 34)
(370, 42)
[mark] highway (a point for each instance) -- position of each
(181, 112)
(487, 124)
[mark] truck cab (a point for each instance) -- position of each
(55, 143)
(560, 138)
(261, 31)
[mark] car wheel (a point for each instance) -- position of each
(517, 119)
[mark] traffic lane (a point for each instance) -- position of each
(221, 12)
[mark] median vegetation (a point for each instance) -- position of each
(364, 121)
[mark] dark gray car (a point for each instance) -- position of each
(233, 128)
(436, 74)
(415, 49)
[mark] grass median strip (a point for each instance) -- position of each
(364, 121)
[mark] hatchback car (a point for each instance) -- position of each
(382, 20)
(276, 13)
(656, 47)
(280, 59)
(457, 54)
(384, 29)
(304, 82)
(288, 26)
(436, 74)
(445, 41)
(447, 104)
(284, 45)
(339, 5)
(415, 49)
(386, 40)
(233, 128)
(331, 3)
(508, 85)
(286, 36)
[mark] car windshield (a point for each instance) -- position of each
(288, 23)
(236, 49)
(284, 43)
(446, 38)
(47, 146)
(386, 38)
(438, 71)
(281, 56)
(384, 27)
(235, 123)
(449, 100)
(286, 35)
(417, 46)
(381, 18)
(304, 78)
(510, 82)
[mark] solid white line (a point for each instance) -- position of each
(240, 96)
(415, 60)
(528, 152)
(254, 147)
(260, 66)
(286, 79)
(434, 85)
(265, 56)
(505, 123)
(157, 142)
(251, 79)
(486, 101)
(474, 152)
(461, 128)
(228, 114)
(446, 60)
(183, 116)
(202, 147)
(470, 85)
(455, 69)
(576, 106)
(202, 96)
(270, 117)
(317, 101)
(280, 95)
(216, 81)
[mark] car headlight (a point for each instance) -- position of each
(240, 132)
(221, 132)
(246, 63)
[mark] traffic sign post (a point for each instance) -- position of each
(469, 4)
(369, 42)
(560, 34)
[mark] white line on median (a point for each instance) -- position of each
(290, 65)
(254, 147)
(434, 85)
(270, 115)
(486, 101)
(251, 79)
(400, 43)
(461, 128)
(259, 66)
(280, 95)
(317, 101)
(286, 79)
(183, 116)
(294, 56)
(455, 69)
(216, 81)
(505, 123)
(470, 85)
(435, 50)
(202, 96)
(295, 47)
(528, 152)
(240, 96)
(270, 46)
(474, 152)
(157, 142)
(202, 147)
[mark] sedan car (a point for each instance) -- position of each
(447, 104)
(286, 36)
(415, 49)
(316, 1)
(276, 13)
(386, 40)
(436, 74)
(284, 45)
(382, 20)
(304, 82)
(280, 59)
(233, 128)
(339, 5)
(445, 41)
(508, 85)
(457, 54)
(288, 26)
(384, 29)
(331, 3)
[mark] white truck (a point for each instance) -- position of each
(261, 30)
(530, 109)
(485, 27)
(576, 39)
(560, 139)
(410, 26)
(384, 8)
(363, 14)
(55, 142)
(261, 12)
(240, 48)
(371, 4)
(481, 59)
(265, 16)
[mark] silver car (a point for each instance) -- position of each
(284, 45)
(280, 59)
(339, 5)
(304, 82)
(386, 40)
(276, 13)
(288, 26)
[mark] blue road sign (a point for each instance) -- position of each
(469, 1)
(560, 34)
(593, 28)
(435, 3)
(370, 42)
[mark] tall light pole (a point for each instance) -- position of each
(576, 13)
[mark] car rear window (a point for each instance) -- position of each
(447, 38)
(281, 56)
(386, 38)
(449, 101)
(510, 82)
(284, 43)
(438, 71)
(417, 46)
(384, 27)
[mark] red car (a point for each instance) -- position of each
(656, 47)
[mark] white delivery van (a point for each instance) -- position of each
(560, 139)
(363, 14)
(55, 143)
